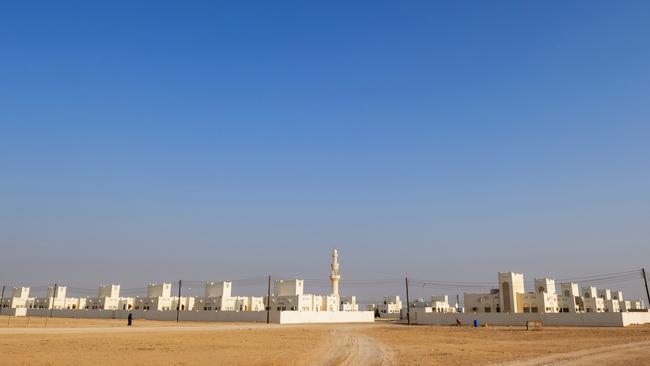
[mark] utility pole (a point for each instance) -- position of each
(408, 307)
(2, 298)
(53, 297)
(178, 306)
(645, 280)
(268, 302)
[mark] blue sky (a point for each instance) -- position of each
(156, 141)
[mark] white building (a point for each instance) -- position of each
(437, 304)
(511, 297)
(19, 299)
(183, 303)
(54, 299)
(287, 305)
(510, 304)
(390, 307)
(440, 304)
(126, 303)
(483, 303)
(158, 298)
(218, 297)
(288, 295)
(349, 303)
(74, 303)
(108, 298)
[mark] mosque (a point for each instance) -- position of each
(288, 303)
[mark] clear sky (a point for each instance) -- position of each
(153, 141)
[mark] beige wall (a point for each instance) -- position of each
(558, 319)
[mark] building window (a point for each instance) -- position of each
(498, 309)
(533, 309)
(488, 309)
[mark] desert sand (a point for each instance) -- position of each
(110, 342)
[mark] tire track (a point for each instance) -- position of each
(352, 348)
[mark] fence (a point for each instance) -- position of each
(368, 291)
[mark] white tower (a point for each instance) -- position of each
(335, 276)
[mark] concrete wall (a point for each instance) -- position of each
(636, 318)
(13, 311)
(65, 313)
(207, 316)
(284, 317)
(559, 319)
(301, 317)
(390, 315)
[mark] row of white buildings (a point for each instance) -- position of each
(288, 295)
(512, 297)
(511, 304)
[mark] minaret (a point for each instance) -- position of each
(335, 276)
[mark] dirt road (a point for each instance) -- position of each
(636, 353)
(349, 347)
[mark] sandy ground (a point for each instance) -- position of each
(432, 345)
(152, 343)
(635, 353)
(109, 342)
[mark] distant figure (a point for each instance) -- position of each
(130, 320)
(458, 323)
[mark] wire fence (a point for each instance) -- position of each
(367, 291)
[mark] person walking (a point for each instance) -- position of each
(130, 320)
